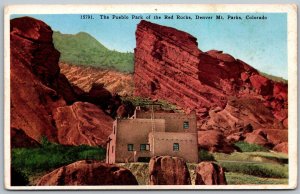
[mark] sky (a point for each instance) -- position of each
(260, 43)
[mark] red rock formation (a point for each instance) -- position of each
(213, 140)
(240, 115)
(167, 170)
(268, 137)
(282, 147)
(256, 138)
(173, 69)
(38, 89)
(208, 173)
(20, 139)
(82, 123)
(228, 95)
(33, 73)
(87, 172)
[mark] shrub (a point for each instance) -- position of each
(247, 147)
(204, 155)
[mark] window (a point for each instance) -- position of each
(144, 147)
(130, 147)
(176, 147)
(112, 149)
(114, 129)
(186, 124)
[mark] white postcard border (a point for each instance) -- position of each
(290, 9)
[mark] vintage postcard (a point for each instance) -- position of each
(150, 97)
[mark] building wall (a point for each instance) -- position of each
(111, 145)
(163, 145)
(133, 131)
(174, 121)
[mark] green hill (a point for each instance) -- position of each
(83, 49)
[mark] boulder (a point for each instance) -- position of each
(88, 172)
(209, 173)
(282, 147)
(256, 138)
(213, 141)
(167, 170)
(82, 123)
(267, 137)
(274, 136)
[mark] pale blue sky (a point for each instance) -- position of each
(260, 43)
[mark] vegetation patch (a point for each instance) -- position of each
(83, 49)
(247, 147)
(233, 178)
(30, 161)
(265, 157)
(266, 170)
(147, 103)
(204, 155)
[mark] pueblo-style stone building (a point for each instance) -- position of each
(148, 134)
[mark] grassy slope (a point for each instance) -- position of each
(35, 162)
(83, 49)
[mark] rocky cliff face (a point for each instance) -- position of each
(34, 73)
(169, 66)
(40, 94)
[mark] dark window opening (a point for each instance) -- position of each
(144, 159)
(114, 129)
(130, 147)
(176, 147)
(112, 149)
(144, 147)
(186, 125)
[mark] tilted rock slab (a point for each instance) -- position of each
(169, 66)
(167, 170)
(82, 123)
(87, 172)
(209, 173)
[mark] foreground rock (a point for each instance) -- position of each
(88, 173)
(82, 123)
(209, 173)
(167, 170)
